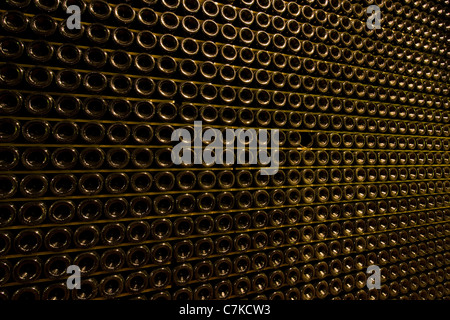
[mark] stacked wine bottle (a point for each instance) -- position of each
(87, 178)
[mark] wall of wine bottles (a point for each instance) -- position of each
(86, 118)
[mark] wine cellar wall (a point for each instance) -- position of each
(87, 175)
